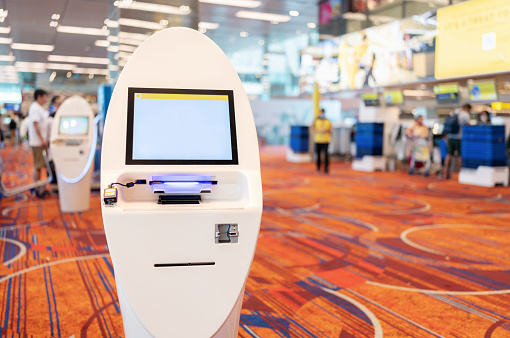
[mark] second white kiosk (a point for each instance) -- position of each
(73, 142)
(182, 193)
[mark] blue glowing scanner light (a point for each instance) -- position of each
(182, 184)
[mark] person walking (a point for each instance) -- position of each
(453, 128)
(37, 135)
(322, 130)
(13, 128)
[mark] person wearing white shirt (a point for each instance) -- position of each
(37, 138)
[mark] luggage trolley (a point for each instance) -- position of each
(420, 153)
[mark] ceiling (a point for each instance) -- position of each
(30, 20)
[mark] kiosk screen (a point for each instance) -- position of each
(73, 125)
(180, 126)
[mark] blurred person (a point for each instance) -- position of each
(417, 129)
(484, 118)
(55, 103)
(13, 128)
(453, 128)
(37, 135)
(322, 129)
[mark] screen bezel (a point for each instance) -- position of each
(72, 116)
(130, 126)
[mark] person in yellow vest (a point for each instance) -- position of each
(322, 129)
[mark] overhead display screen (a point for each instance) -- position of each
(393, 97)
(483, 91)
(73, 125)
(473, 38)
(181, 126)
(370, 99)
(447, 93)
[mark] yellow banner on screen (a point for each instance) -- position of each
(189, 97)
(473, 38)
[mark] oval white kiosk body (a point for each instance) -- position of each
(72, 146)
(182, 193)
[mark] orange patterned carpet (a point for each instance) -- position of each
(342, 255)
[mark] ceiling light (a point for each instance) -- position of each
(124, 55)
(202, 30)
(131, 41)
(133, 36)
(107, 77)
(113, 68)
(294, 13)
(81, 30)
(235, 3)
(102, 43)
(149, 7)
(140, 23)
(55, 17)
(104, 28)
(311, 25)
(262, 16)
(5, 41)
(52, 76)
(113, 49)
(274, 22)
(3, 13)
(163, 22)
(112, 38)
(261, 42)
(7, 58)
(78, 59)
(60, 66)
(244, 34)
(127, 48)
(5, 30)
(111, 23)
(28, 46)
(116, 3)
(39, 65)
(91, 76)
(31, 70)
(53, 24)
(69, 74)
(208, 25)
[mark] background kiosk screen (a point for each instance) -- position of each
(74, 125)
(181, 126)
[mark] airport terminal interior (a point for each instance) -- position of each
(255, 168)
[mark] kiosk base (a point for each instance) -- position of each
(74, 197)
(484, 176)
(133, 328)
(369, 163)
(298, 157)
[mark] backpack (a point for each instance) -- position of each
(451, 125)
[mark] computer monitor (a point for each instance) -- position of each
(447, 93)
(180, 127)
(370, 99)
(74, 125)
(393, 97)
(483, 92)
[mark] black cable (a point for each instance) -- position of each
(129, 184)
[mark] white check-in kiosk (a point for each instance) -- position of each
(182, 194)
(72, 145)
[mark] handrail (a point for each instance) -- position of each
(18, 190)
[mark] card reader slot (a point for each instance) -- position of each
(179, 199)
(173, 265)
